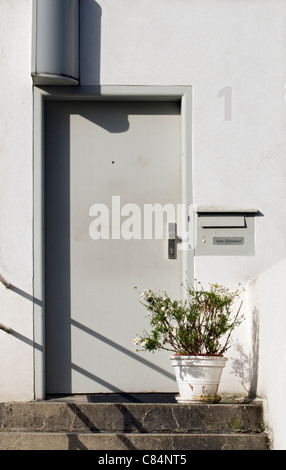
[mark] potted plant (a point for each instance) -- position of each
(197, 329)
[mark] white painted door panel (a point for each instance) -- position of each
(110, 153)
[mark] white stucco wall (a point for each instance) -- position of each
(233, 55)
(267, 309)
(16, 200)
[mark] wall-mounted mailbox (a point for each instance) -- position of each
(55, 44)
(225, 233)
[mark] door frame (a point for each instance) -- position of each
(95, 93)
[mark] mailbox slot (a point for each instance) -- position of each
(222, 221)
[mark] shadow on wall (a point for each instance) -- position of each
(90, 42)
(245, 366)
(254, 360)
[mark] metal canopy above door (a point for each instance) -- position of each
(55, 42)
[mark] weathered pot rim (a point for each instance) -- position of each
(198, 359)
(198, 355)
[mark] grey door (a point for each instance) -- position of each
(105, 162)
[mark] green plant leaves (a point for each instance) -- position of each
(200, 324)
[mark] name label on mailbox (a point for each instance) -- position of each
(228, 240)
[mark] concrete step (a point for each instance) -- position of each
(130, 417)
(76, 424)
(131, 441)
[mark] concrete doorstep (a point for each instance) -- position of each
(74, 424)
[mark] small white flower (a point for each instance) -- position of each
(163, 309)
(174, 331)
(136, 341)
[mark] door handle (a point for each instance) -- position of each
(172, 240)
